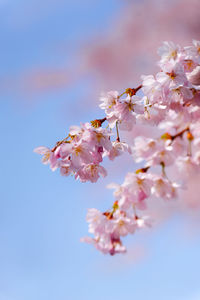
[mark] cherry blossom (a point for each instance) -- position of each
(168, 52)
(170, 104)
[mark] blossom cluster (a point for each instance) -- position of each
(170, 102)
(82, 152)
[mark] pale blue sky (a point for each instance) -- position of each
(42, 215)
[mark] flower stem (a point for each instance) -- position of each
(117, 129)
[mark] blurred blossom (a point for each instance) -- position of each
(114, 58)
(41, 80)
(129, 48)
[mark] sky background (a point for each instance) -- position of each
(46, 85)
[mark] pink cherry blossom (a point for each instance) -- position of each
(164, 188)
(194, 76)
(118, 148)
(168, 52)
(144, 148)
(109, 100)
(90, 172)
(123, 224)
(49, 157)
(167, 155)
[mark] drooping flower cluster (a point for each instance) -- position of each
(82, 152)
(171, 101)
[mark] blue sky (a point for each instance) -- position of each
(42, 215)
